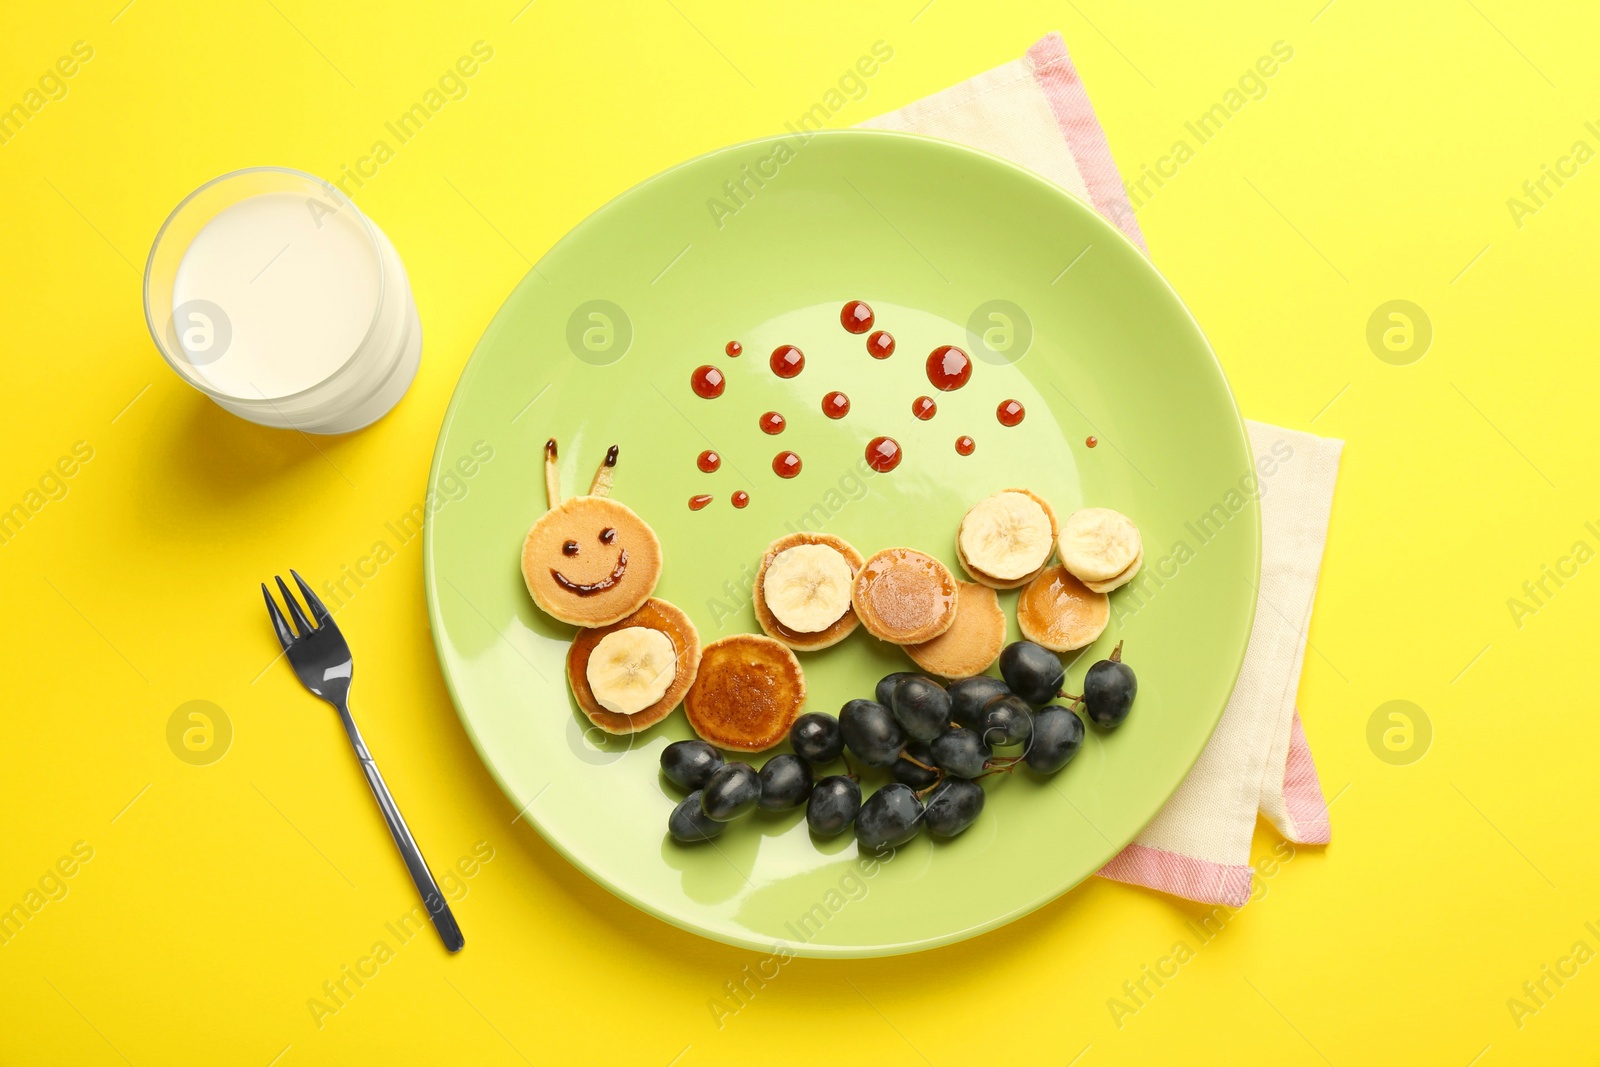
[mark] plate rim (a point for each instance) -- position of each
(806, 949)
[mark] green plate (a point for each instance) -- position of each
(763, 243)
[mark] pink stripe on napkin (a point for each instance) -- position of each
(1058, 78)
(1180, 875)
(1302, 791)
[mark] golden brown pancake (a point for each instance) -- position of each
(1001, 583)
(747, 693)
(656, 614)
(1122, 579)
(590, 561)
(972, 643)
(1058, 612)
(804, 642)
(904, 596)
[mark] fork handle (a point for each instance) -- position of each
(432, 899)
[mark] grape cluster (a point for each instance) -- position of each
(936, 742)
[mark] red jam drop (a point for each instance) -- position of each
(924, 408)
(786, 464)
(880, 345)
(948, 368)
(965, 445)
(883, 454)
(707, 382)
(1092, 441)
(1009, 413)
(787, 361)
(741, 499)
(856, 317)
(772, 422)
(733, 348)
(836, 405)
(699, 501)
(708, 461)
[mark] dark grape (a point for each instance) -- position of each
(960, 752)
(785, 782)
(833, 805)
(1032, 671)
(953, 806)
(1057, 736)
(689, 823)
(690, 764)
(909, 773)
(815, 737)
(884, 693)
(968, 696)
(871, 732)
(921, 706)
(733, 790)
(1109, 689)
(890, 817)
(1007, 720)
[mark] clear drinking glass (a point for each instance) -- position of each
(270, 292)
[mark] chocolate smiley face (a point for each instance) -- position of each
(591, 561)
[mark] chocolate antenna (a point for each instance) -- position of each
(601, 486)
(552, 474)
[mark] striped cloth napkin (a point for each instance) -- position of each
(1035, 112)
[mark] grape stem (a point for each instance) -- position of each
(924, 792)
(994, 766)
(909, 758)
(1116, 653)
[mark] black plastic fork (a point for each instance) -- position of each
(321, 659)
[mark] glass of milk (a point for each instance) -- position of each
(270, 292)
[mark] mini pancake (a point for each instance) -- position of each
(1058, 612)
(805, 642)
(904, 596)
(1122, 579)
(747, 693)
(972, 643)
(655, 614)
(590, 561)
(990, 580)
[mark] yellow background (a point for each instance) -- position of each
(220, 898)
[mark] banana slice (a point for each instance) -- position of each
(1098, 544)
(1006, 536)
(807, 587)
(631, 668)
(1120, 580)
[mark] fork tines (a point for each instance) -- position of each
(302, 625)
